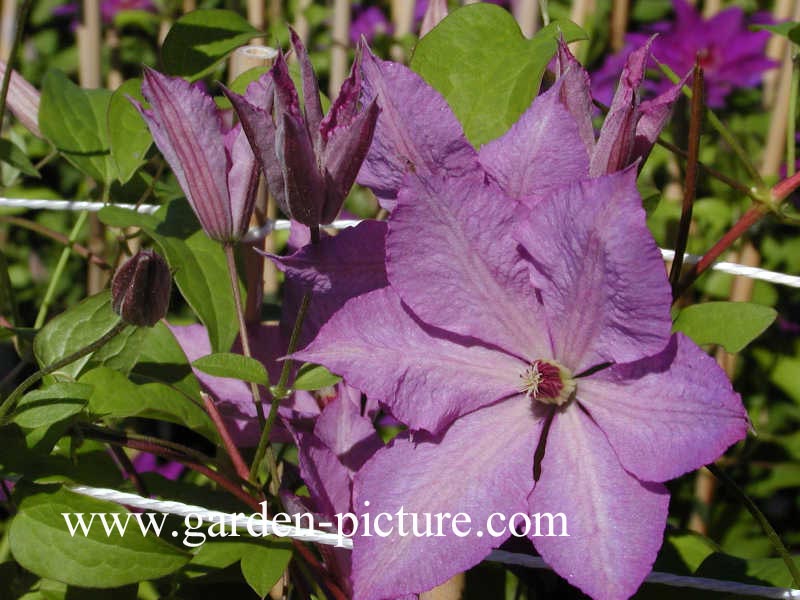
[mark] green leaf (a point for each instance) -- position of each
(785, 374)
(488, 72)
(198, 264)
(787, 29)
(129, 136)
(11, 154)
(262, 565)
(163, 360)
(42, 408)
(41, 542)
(200, 39)
(314, 377)
(74, 120)
(235, 366)
(755, 571)
(779, 476)
(81, 325)
(116, 396)
(732, 325)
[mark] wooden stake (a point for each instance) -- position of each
(620, 10)
(340, 42)
(260, 275)
(402, 21)
(526, 12)
(8, 28)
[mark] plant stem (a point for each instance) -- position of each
(124, 439)
(720, 127)
(57, 236)
(237, 298)
(762, 521)
(227, 442)
(752, 216)
(690, 181)
(9, 403)
(280, 390)
(128, 470)
(791, 124)
(22, 17)
(59, 271)
(733, 183)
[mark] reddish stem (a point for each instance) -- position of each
(128, 470)
(120, 439)
(233, 452)
(747, 220)
(782, 189)
(312, 562)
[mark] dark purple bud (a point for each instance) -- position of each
(140, 289)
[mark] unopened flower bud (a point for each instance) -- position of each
(140, 289)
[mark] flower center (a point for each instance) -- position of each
(548, 382)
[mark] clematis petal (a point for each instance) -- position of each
(311, 100)
(653, 115)
(525, 160)
(335, 270)
(327, 479)
(574, 93)
(615, 522)
(425, 379)
(614, 150)
(482, 465)
(304, 189)
(254, 110)
(343, 429)
(668, 414)
(601, 275)
(345, 107)
(450, 257)
(187, 128)
(416, 131)
(23, 100)
(343, 156)
(242, 179)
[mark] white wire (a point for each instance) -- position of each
(283, 225)
(332, 539)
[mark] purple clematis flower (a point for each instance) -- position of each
(331, 448)
(213, 162)
(416, 131)
(529, 352)
(731, 55)
(310, 161)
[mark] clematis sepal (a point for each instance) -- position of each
(310, 161)
(214, 166)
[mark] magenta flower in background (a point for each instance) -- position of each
(368, 21)
(213, 162)
(489, 341)
(731, 55)
(108, 9)
(144, 462)
(310, 161)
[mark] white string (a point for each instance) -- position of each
(283, 225)
(332, 539)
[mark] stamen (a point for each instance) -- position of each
(548, 382)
